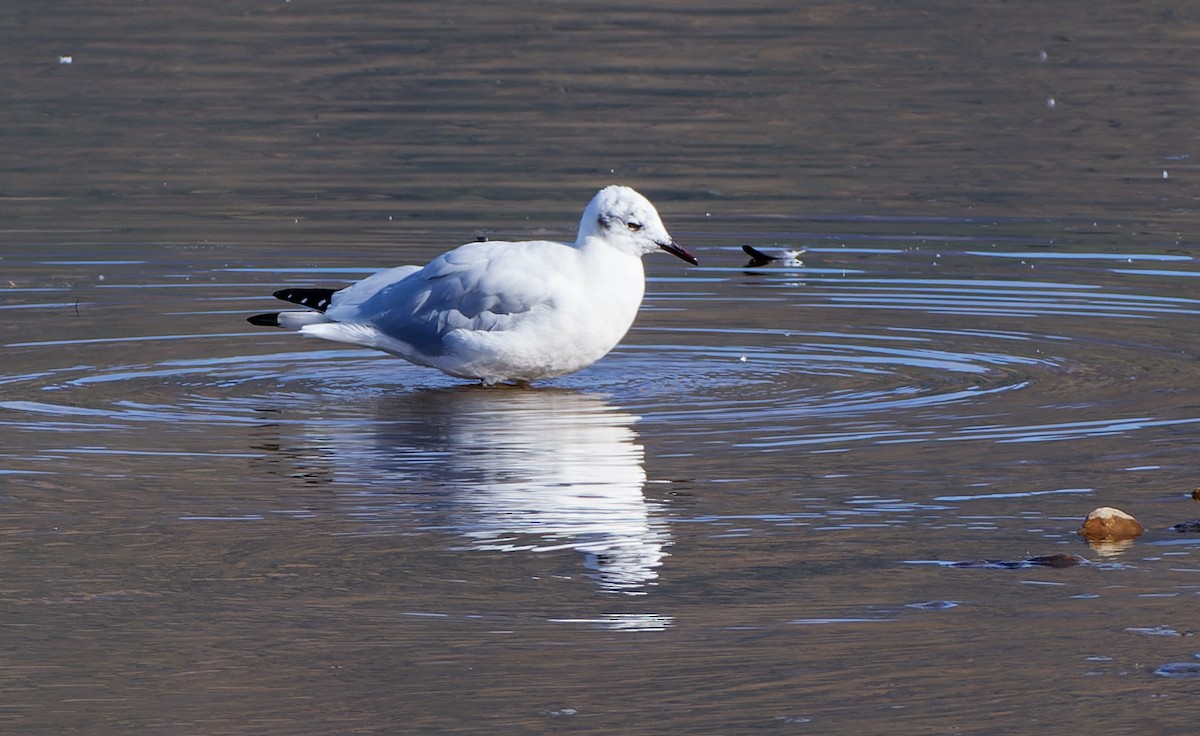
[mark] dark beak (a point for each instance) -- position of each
(674, 249)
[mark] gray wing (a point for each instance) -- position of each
(479, 287)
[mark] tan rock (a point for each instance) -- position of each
(1109, 524)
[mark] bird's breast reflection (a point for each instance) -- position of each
(521, 470)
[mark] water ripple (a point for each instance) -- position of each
(1000, 360)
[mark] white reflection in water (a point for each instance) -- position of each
(517, 470)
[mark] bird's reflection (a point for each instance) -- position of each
(516, 470)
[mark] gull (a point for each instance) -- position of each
(496, 311)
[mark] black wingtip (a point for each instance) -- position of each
(265, 320)
(318, 299)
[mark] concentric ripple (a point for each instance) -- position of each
(861, 349)
(765, 359)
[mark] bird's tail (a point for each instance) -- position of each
(318, 299)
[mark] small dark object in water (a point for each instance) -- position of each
(757, 257)
(790, 258)
(1196, 495)
(1057, 560)
(1192, 526)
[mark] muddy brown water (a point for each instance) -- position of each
(744, 519)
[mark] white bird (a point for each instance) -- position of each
(511, 312)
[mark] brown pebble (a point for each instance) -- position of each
(1107, 524)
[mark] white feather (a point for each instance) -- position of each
(296, 320)
(507, 311)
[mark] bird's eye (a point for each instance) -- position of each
(635, 226)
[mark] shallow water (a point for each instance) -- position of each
(746, 517)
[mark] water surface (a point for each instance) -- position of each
(745, 518)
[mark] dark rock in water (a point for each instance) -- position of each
(1058, 560)
(1196, 495)
(1192, 526)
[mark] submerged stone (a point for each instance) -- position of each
(1187, 526)
(1055, 560)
